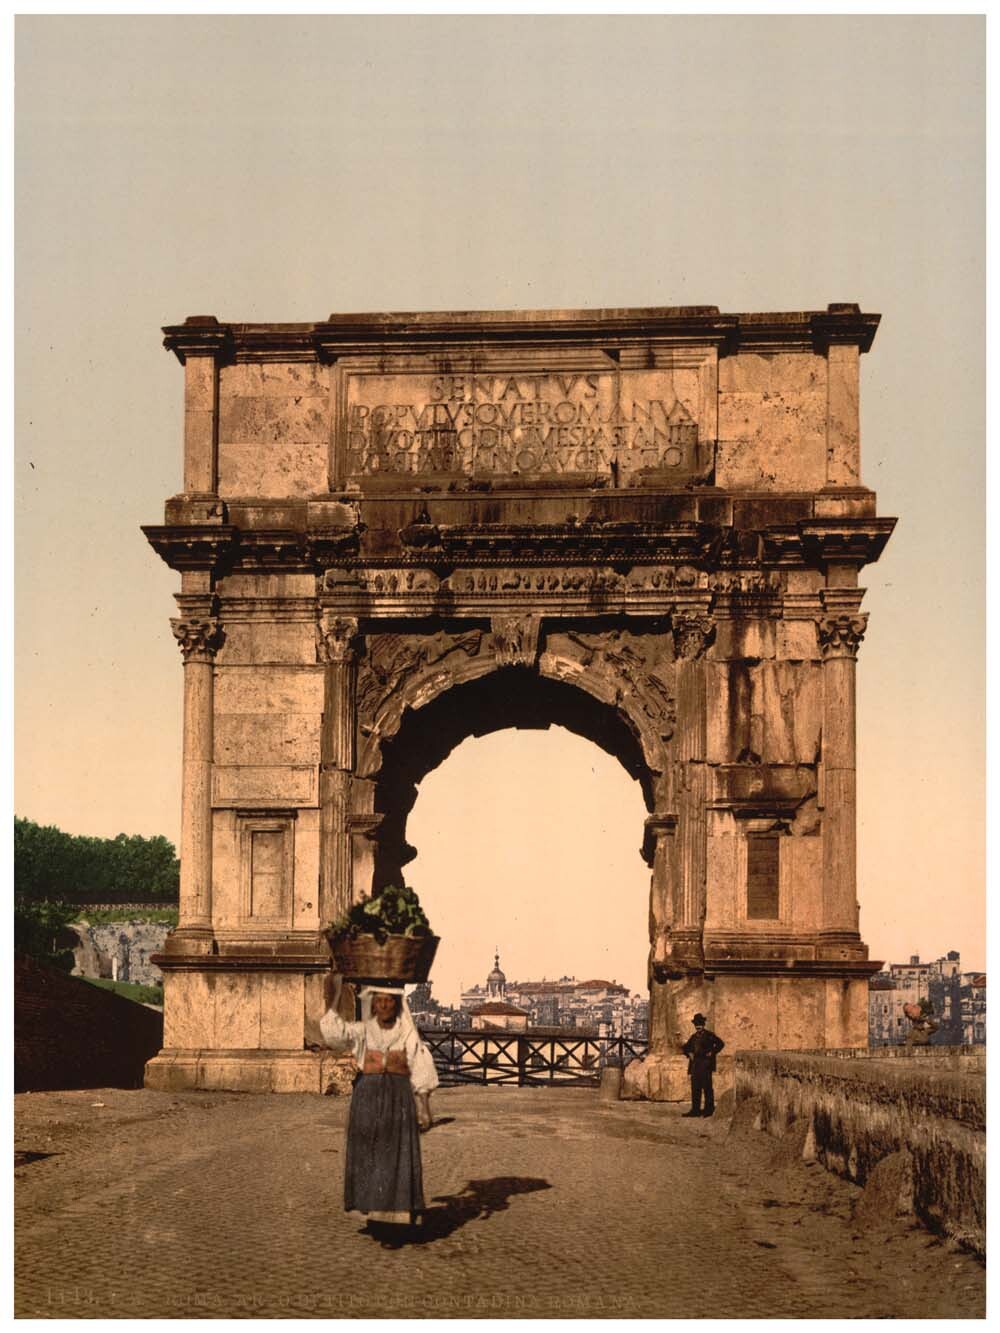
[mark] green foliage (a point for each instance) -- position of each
(131, 990)
(41, 931)
(391, 912)
(50, 864)
(101, 917)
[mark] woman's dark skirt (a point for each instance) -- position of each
(383, 1174)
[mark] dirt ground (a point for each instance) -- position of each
(541, 1204)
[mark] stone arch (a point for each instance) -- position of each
(491, 700)
(625, 670)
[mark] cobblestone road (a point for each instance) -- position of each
(545, 1205)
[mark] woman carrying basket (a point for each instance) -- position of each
(382, 1175)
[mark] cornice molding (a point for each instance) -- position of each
(189, 546)
(607, 330)
(704, 548)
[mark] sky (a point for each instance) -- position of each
(279, 169)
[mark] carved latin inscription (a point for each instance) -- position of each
(509, 423)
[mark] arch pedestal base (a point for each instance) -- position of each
(213, 1070)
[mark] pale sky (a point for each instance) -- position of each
(279, 169)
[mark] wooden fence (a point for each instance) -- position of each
(527, 1060)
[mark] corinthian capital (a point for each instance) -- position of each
(840, 636)
(692, 633)
(335, 638)
(198, 637)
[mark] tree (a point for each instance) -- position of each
(50, 865)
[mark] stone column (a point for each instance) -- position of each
(692, 631)
(336, 638)
(840, 632)
(198, 633)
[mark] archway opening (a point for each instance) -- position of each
(528, 799)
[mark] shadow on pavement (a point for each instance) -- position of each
(479, 1200)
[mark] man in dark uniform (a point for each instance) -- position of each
(701, 1048)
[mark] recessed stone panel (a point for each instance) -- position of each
(262, 785)
(506, 421)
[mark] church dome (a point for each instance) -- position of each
(496, 982)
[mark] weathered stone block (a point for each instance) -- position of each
(303, 379)
(188, 1010)
(267, 585)
(274, 690)
(237, 1010)
(306, 888)
(803, 858)
(301, 1075)
(281, 1010)
(258, 643)
(250, 738)
(226, 870)
(290, 467)
(796, 640)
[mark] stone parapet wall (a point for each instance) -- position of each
(909, 1125)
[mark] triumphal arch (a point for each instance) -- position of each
(396, 531)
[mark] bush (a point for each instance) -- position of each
(41, 930)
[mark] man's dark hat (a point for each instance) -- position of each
(699, 1020)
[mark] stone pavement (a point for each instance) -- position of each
(543, 1204)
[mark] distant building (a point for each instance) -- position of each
(499, 1016)
(958, 1003)
(973, 1008)
(595, 1005)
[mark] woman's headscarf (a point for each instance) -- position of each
(368, 993)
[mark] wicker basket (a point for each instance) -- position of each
(401, 958)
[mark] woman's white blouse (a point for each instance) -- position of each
(371, 1036)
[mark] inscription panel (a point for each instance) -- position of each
(617, 422)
